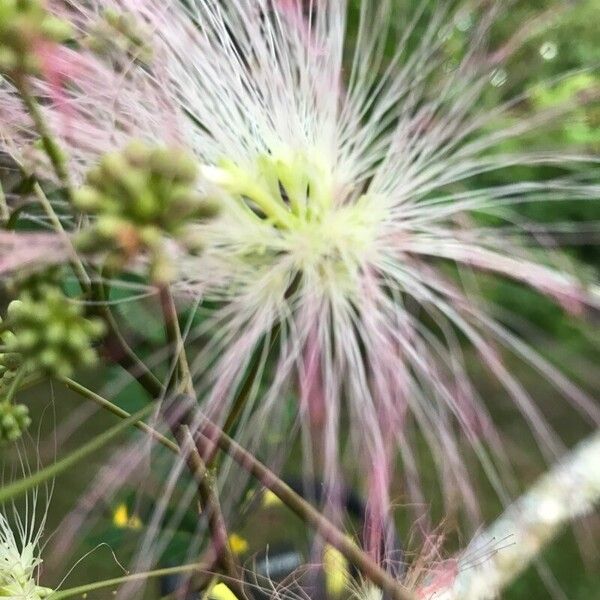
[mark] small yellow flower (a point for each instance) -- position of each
(269, 499)
(221, 592)
(123, 520)
(336, 571)
(238, 544)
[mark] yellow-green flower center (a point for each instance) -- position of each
(312, 218)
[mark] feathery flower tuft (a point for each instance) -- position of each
(19, 555)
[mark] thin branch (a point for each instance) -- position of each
(205, 481)
(82, 590)
(567, 492)
(49, 142)
(211, 508)
(174, 338)
(80, 271)
(119, 412)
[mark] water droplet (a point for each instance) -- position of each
(548, 50)
(499, 77)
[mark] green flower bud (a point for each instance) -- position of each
(140, 196)
(109, 226)
(35, 282)
(27, 340)
(138, 153)
(146, 205)
(113, 166)
(87, 199)
(150, 235)
(56, 29)
(20, 411)
(14, 309)
(8, 421)
(55, 333)
(14, 421)
(49, 333)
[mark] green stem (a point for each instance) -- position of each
(82, 275)
(51, 146)
(23, 485)
(98, 585)
(15, 385)
(119, 412)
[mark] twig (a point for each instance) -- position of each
(210, 506)
(119, 412)
(568, 491)
(51, 146)
(82, 275)
(83, 590)
(209, 500)
(175, 339)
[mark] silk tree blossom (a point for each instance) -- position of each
(20, 554)
(350, 178)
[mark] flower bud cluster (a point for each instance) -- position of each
(34, 282)
(14, 421)
(139, 197)
(14, 418)
(49, 333)
(9, 361)
(25, 27)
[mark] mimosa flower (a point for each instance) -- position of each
(20, 555)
